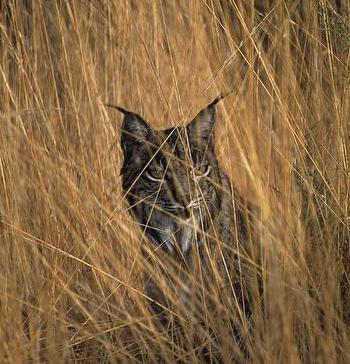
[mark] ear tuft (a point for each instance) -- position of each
(122, 110)
(217, 100)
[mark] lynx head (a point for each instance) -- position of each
(170, 178)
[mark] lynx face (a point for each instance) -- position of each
(170, 178)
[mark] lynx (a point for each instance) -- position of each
(177, 191)
(181, 197)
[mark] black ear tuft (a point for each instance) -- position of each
(216, 100)
(122, 110)
(201, 128)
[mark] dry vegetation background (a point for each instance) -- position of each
(71, 287)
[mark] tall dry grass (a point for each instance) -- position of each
(71, 282)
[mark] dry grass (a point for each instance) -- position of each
(70, 264)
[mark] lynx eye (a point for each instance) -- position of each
(207, 171)
(156, 175)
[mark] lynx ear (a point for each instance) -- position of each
(135, 130)
(201, 128)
